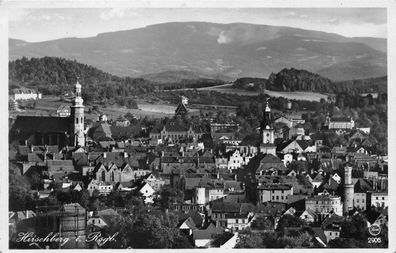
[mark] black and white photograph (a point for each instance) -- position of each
(186, 127)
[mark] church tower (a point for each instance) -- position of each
(77, 118)
(267, 132)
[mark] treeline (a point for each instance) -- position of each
(298, 80)
(303, 80)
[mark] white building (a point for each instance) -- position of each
(323, 205)
(379, 199)
(274, 192)
(25, 94)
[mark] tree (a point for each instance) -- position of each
(262, 223)
(289, 221)
(150, 232)
(247, 239)
(168, 196)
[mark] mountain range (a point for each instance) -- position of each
(212, 50)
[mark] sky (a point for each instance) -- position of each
(36, 25)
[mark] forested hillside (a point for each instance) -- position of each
(52, 75)
(302, 80)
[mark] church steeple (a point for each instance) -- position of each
(267, 132)
(77, 117)
(266, 123)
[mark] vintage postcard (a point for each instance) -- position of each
(197, 126)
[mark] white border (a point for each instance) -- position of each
(6, 6)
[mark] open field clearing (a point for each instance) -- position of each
(297, 95)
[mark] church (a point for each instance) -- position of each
(45, 130)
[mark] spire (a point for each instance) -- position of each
(78, 101)
(267, 108)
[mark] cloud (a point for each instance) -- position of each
(291, 13)
(16, 15)
(113, 13)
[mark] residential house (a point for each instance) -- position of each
(102, 187)
(332, 232)
(148, 193)
(203, 238)
(274, 192)
(378, 199)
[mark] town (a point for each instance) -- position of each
(190, 182)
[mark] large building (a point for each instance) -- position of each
(45, 130)
(25, 94)
(324, 205)
(274, 192)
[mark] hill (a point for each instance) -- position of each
(233, 50)
(291, 80)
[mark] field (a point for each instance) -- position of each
(49, 104)
(297, 95)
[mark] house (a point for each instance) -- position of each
(274, 192)
(235, 160)
(153, 181)
(340, 123)
(102, 218)
(122, 122)
(332, 232)
(284, 120)
(175, 131)
(309, 216)
(230, 242)
(148, 193)
(296, 131)
(63, 110)
(238, 221)
(58, 169)
(102, 187)
(220, 210)
(360, 194)
(378, 199)
(192, 222)
(287, 158)
(100, 131)
(319, 236)
(203, 238)
(291, 146)
(267, 164)
(378, 218)
(12, 104)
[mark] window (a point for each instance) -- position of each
(330, 233)
(376, 198)
(383, 198)
(282, 197)
(277, 197)
(273, 197)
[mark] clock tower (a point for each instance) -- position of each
(267, 131)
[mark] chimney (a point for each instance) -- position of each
(26, 143)
(104, 154)
(31, 148)
(125, 155)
